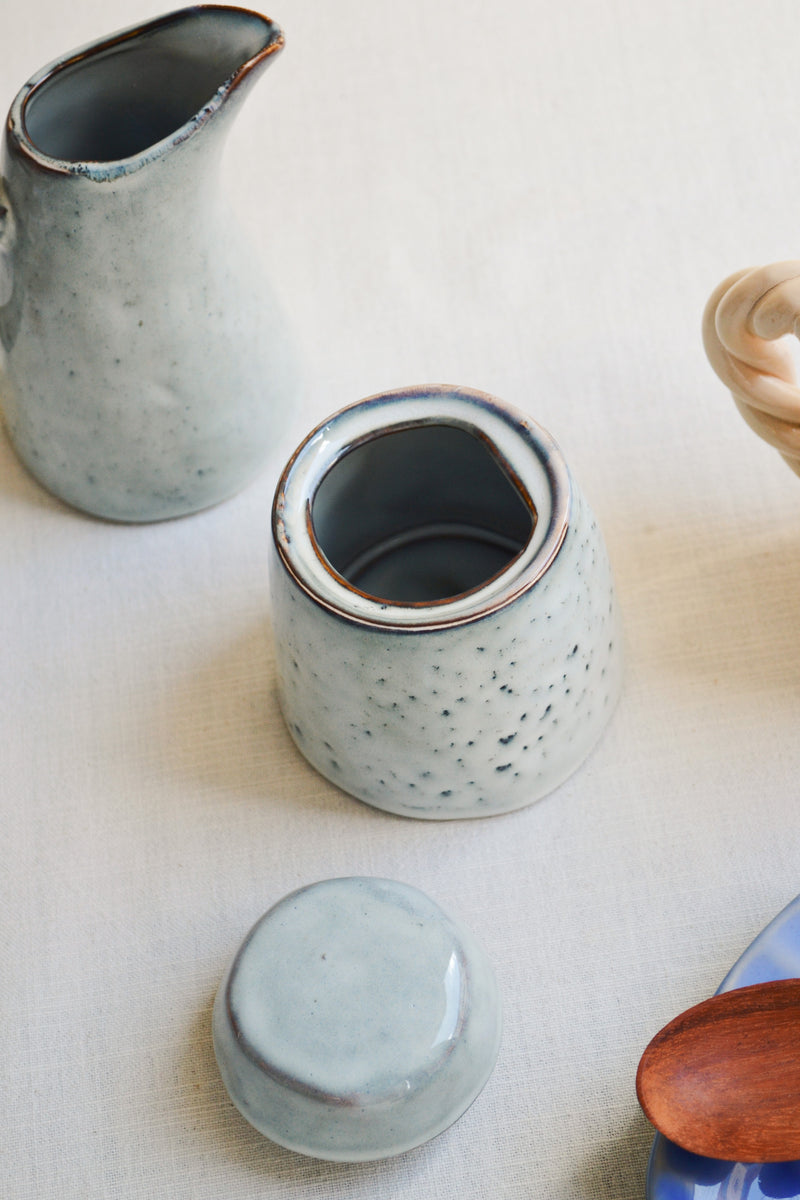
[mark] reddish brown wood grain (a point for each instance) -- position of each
(723, 1078)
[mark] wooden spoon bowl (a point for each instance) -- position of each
(723, 1078)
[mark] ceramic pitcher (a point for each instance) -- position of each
(144, 367)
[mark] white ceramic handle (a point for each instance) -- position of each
(743, 319)
(6, 239)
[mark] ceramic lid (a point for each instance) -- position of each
(357, 1020)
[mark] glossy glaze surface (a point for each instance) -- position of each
(674, 1174)
(459, 705)
(146, 371)
(356, 1021)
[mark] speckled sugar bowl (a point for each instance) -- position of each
(356, 1021)
(145, 369)
(447, 637)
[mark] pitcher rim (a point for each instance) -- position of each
(19, 141)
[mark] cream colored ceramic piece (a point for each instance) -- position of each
(744, 318)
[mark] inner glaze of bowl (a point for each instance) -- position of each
(420, 515)
(120, 100)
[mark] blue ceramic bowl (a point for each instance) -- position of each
(674, 1174)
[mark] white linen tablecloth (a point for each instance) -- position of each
(529, 198)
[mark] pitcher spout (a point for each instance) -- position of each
(106, 109)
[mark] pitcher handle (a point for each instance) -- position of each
(743, 319)
(6, 246)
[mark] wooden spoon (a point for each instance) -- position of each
(723, 1078)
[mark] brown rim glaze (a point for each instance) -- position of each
(502, 462)
(19, 140)
(554, 537)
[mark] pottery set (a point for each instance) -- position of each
(433, 555)
(447, 635)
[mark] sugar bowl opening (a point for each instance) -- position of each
(420, 515)
(425, 507)
(446, 635)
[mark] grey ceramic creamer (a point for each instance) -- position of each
(144, 370)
